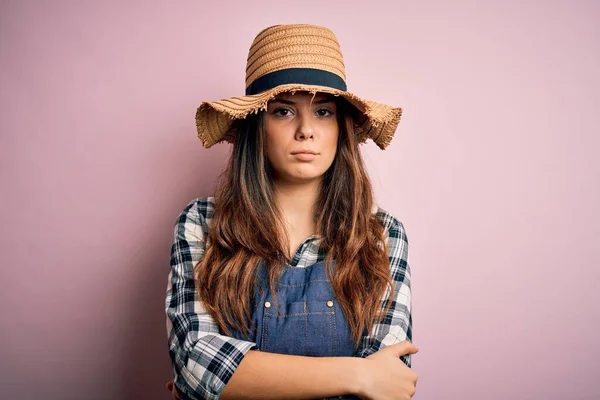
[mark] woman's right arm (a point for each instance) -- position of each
(202, 359)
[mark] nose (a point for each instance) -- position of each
(305, 128)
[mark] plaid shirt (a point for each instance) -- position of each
(204, 360)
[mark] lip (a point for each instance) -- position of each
(305, 156)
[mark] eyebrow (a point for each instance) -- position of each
(292, 102)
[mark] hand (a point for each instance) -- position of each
(384, 376)
(171, 388)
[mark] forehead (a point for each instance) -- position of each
(303, 95)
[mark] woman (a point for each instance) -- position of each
(290, 283)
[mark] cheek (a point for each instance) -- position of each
(333, 140)
(276, 134)
(274, 148)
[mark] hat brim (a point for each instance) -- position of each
(214, 120)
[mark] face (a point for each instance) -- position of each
(301, 135)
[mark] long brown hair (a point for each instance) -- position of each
(248, 227)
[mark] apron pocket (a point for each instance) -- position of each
(305, 328)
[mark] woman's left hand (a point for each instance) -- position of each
(171, 388)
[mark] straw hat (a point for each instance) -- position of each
(290, 58)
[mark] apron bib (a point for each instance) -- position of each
(309, 321)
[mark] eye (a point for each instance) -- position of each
(323, 112)
(281, 112)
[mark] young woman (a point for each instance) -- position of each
(290, 282)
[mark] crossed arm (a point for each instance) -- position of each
(208, 365)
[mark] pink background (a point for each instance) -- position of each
(492, 171)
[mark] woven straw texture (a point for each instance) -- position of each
(293, 46)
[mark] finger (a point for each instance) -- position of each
(402, 348)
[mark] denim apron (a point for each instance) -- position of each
(310, 321)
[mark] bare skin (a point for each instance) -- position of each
(297, 208)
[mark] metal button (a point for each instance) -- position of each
(268, 304)
(330, 303)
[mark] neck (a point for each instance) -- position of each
(297, 201)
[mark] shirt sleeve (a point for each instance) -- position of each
(396, 326)
(203, 360)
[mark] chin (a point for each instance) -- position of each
(296, 177)
(300, 173)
